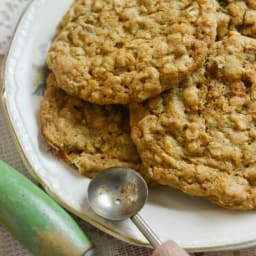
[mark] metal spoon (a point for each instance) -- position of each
(119, 193)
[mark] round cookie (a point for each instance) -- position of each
(117, 52)
(237, 15)
(87, 136)
(200, 137)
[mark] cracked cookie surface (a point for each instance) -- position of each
(237, 15)
(87, 136)
(111, 52)
(201, 137)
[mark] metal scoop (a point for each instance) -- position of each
(119, 193)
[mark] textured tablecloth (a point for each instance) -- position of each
(105, 245)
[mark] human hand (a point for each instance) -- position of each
(169, 248)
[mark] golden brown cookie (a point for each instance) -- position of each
(112, 52)
(200, 137)
(237, 15)
(88, 136)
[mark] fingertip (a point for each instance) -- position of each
(169, 248)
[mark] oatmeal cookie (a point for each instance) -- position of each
(88, 136)
(117, 52)
(200, 137)
(237, 15)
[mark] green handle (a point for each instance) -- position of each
(36, 220)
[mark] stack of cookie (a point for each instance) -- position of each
(163, 86)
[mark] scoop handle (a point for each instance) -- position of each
(36, 220)
(146, 230)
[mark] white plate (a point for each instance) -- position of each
(194, 223)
